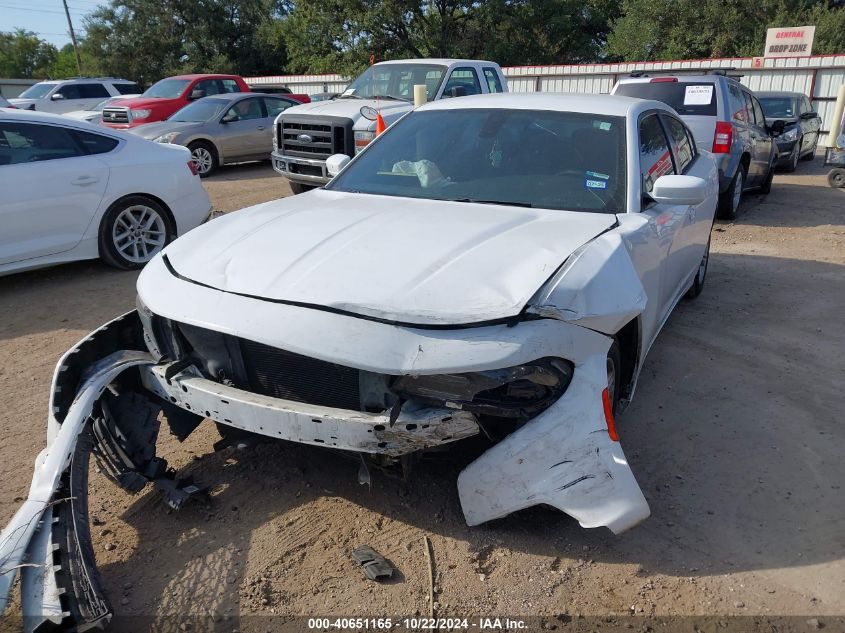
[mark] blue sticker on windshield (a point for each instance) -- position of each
(595, 184)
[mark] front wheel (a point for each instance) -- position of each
(698, 282)
(204, 158)
(730, 199)
(614, 376)
(133, 231)
(796, 155)
(812, 155)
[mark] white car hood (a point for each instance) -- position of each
(398, 259)
(351, 107)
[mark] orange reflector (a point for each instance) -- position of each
(380, 126)
(608, 415)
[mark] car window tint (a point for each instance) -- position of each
(739, 109)
(29, 143)
(493, 82)
(230, 85)
(69, 91)
(275, 106)
(464, 82)
(655, 158)
(209, 86)
(749, 107)
(758, 112)
(93, 91)
(684, 151)
(95, 143)
(128, 89)
(245, 110)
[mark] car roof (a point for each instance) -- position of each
(204, 76)
(702, 78)
(607, 105)
(34, 116)
(444, 61)
(234, 96)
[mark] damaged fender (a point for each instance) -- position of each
(564, 458)
(25, 542)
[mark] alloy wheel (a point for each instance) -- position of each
(139, 232)
(202, 159)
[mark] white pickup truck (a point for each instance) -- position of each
(305, 136)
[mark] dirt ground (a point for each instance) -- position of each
(733, 436)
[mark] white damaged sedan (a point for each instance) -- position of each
(493, 266)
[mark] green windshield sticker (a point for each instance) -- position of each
(602, 125)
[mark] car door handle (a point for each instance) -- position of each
(261, 127)
(84, 181)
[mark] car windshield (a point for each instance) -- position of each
(167, 88)
(531, 158)
(99, 107)
(779, 107)
(37, 91)
(686, 98)
(395, 81)
(200, 111)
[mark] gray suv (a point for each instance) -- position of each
(726, 119)
(69, 95)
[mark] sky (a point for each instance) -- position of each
(45, 17)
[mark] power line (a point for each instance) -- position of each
(6, 6)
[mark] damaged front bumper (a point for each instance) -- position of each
(563, 456)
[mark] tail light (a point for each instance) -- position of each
(660, 80)
(193, 168)
(724, 137)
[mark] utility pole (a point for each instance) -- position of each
(73, 39)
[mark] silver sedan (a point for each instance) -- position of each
(223, 129)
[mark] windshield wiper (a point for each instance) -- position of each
(349, 96)
(390, 97)
(502, 202)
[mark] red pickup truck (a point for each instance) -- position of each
(167, 96)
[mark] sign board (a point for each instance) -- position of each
(795, 41)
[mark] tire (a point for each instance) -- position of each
(614, 376)
(766, 187)
(729, 201)
(812, 155)
(796, 155)
(298, 187)
(204, 157)
(700, 275)
(836, 178)
(124, 241)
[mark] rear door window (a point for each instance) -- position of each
(686, 98)
(95, 143)
(655, 157)
(739, 109)
(494, 84)
(128, 89)
(758, 112)
(682, 147)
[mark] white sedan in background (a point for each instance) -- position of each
(73, 191)
(94, 114)
(493, 266)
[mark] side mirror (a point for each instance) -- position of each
(457, 91)
(335, 163)
(675, 189)
(196, 93)
(56, 96)
(229, 118)
(809, 115)
(776, 128)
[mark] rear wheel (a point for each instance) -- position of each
(204, 158)
(766, 187)
(298, 187)
(793, 160)
(730, 199)
(133, 231)
(614, 376)
(698, 283)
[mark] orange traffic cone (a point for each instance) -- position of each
(380, 126)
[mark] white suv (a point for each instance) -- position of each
(67, 95)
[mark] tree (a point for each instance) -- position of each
(23, 55)
(146, 40)
(691, 29)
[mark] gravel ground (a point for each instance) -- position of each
(733, 436)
